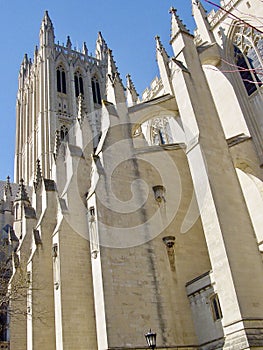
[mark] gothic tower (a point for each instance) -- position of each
(134, 214)
(50, 88)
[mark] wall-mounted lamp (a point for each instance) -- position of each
(169, 241)
(159, 193)
(151, 339)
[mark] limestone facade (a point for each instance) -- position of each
(137, 214)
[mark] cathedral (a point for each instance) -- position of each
(138, 219)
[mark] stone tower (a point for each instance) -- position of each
(144, 213)
(50, 88)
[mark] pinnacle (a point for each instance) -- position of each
(112, 64)
(159, 45)
(101, 39)
(38, 172)
(101, 47)
(177, 24)
(130, 84)
(199, 5)
(22, 193)
(69, 44)
(132, 95)
(25, 60)
(46, 18)
(85, 49)
(115, 88)
(7, 188)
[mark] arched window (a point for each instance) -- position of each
(160, 131)
(16, 211)
(64, 133)
(96, 90)
(215, 307)
(248, 53)
(78, 84)
(61, 80)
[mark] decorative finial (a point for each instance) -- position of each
(172, 10)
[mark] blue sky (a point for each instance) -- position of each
(129, 28)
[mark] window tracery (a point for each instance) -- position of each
(248, 54)
(161, 131)
(64, 133)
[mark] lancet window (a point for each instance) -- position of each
(64, 133)
(215, 306)
(248, 53)
(96, 90)
(61, 80)
(78, 84)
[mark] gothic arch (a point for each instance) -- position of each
(160, 128)
(95, 72)
(62, 60)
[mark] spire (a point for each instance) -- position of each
(69, 44)
(163, 64)
(47, 36)
(115, 88)
(203, 26)
(132, 95)
(22, 193)
(177, 25)
(85, 49)
(101, 47)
